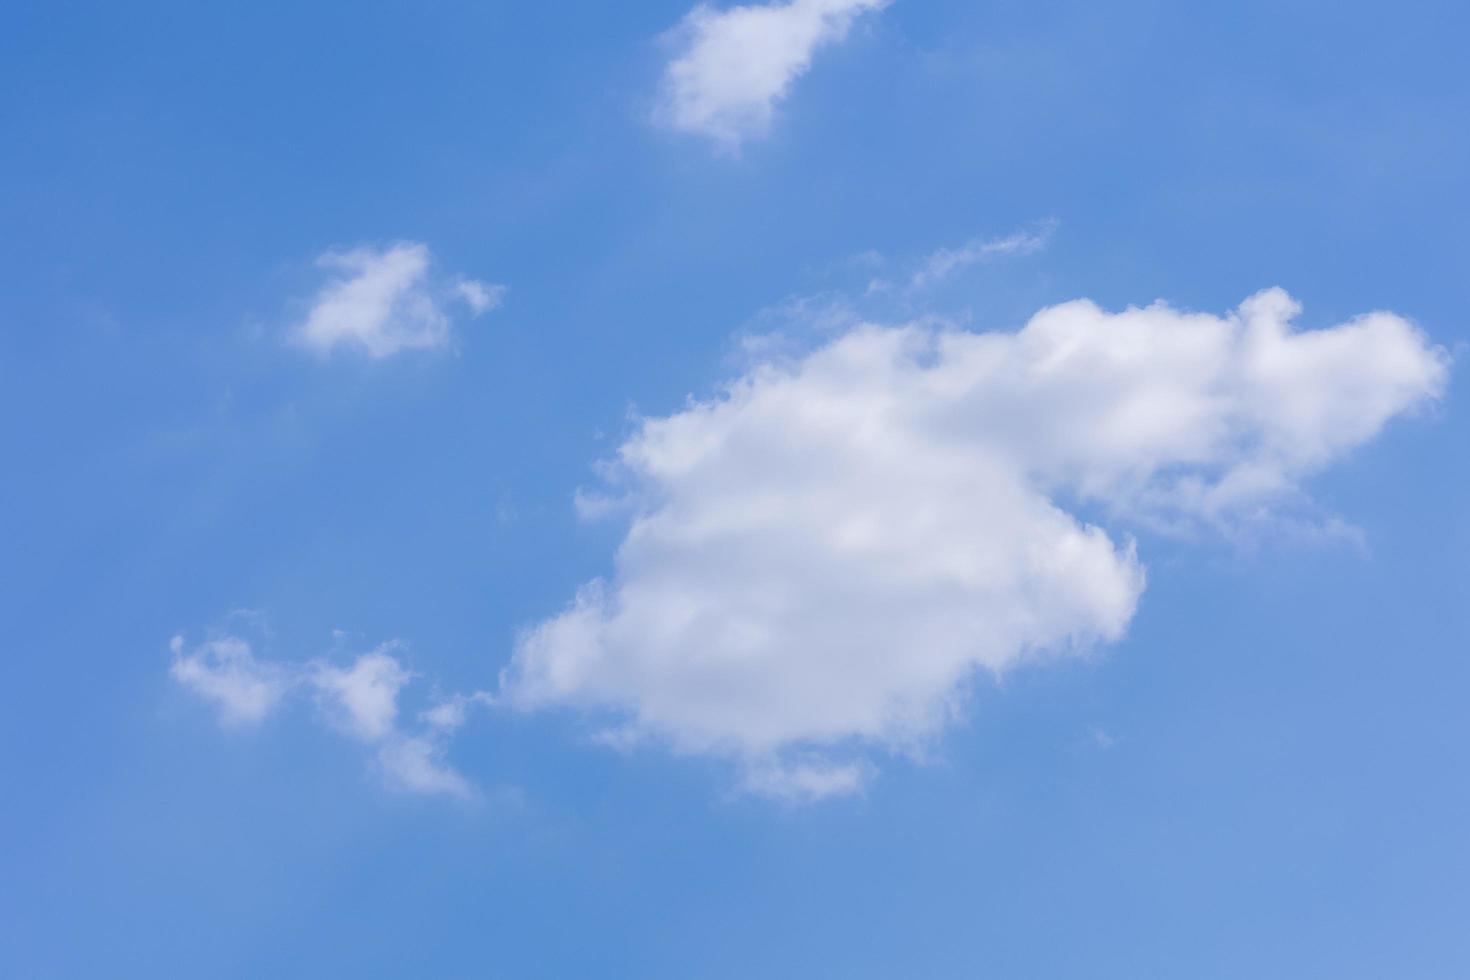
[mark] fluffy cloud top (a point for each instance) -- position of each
(736, 64)
(823, 556)
(360, 699)
(383, 301)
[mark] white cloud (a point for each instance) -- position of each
(946, 261)
(736, 64)
(363, 698)
(224, 671)
(416, 763)
(805, 782)
(383, 301)
(451, 713)
(360, 700)
(822, 557)
(480, 296)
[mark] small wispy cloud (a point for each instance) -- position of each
(735, 65)
(363, 698)
(359, 700)
(870, 286)
(481, 297)
(224, 672)
(805, 782)
(384, 300)
(945, 262)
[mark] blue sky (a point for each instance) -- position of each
(591, 490)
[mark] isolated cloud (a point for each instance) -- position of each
(383, 301)
(224, 672)
(734, 65)
(944, 262)
(821, 558)
(364, 696)
(416, 763)
(360, 700)
(478, 295)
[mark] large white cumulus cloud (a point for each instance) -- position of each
(822, 556)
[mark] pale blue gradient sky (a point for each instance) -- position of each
(1280, 789)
